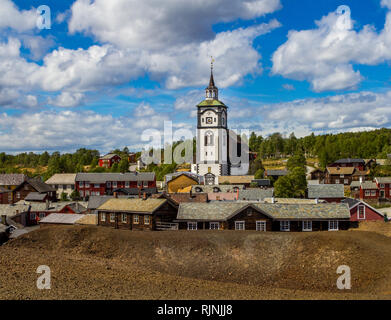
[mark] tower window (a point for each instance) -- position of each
(209, 138)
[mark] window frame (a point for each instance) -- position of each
(260, 223)
(214, 223)
(122, 218)
(239, 223)
(303, 228)
(283, 228)
(136, 219)
(147, 220)
(358, 212)
(332, 223)
(192, 225)
(111, 217)
(103, 217)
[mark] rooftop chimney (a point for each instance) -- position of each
(316, 201)
(273, 201)
(115, 195)
(144, 196)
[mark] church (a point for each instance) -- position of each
(217, 146)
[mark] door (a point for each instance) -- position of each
(382, 194)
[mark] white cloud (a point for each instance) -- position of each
(325, 56)
(152, 25)
(67, 99)
(335, 113)
(68, 130)
(11, 17)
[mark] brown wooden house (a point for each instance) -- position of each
(339, 175)
(138, 214)
(263, 217)
(47, 192)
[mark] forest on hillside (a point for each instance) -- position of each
(327, 148)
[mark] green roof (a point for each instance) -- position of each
(207, 103)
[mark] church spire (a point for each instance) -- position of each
(211, 92)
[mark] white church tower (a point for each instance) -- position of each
(212, 136)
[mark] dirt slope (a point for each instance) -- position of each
(102, 263)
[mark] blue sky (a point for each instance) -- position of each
(107, 71)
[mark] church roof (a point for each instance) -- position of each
(207, 103)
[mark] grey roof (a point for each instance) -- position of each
(40, 186)
(11, 179)
(255, 194)
(322, 191)
(276, 172)
(383, 179)
(136, 191)
(35, 196)
(368, 185)
(109, 156)
(62, 218)
(96, 201)
(222, 211)
(355, 184)
(262, 182)
(216, 188)
(350, 201)
(348, 160)
(104, 177)
(13, 209)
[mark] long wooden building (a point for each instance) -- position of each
(263, 216)
(138, 214)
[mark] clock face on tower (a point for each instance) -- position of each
(209, 120)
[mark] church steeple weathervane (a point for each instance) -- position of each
(211, 92)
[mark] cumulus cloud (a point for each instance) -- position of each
(67, 99)
(153, 26)
(68, 130)
(11, 17)
(335, 113)
(325, 56)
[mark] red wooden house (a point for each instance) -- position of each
(99, 184)
(362, 211)
(384, 186)
(356, 163)
(108, 160)
(369, 190)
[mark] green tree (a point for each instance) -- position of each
(259, 174)
(75, 195)
(297, 160)
(283, 187)
(123, 165)
(63, 196)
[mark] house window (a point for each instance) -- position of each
(18, 195)
(192, 226)
(81, 184)
(285, 226)
(103, 217)
(367, 193)
(87, 184)
(72, 186)
(346, 181)
(108, 184)
(127, 184)
(139, 183)
(145, 184)
(336, 181)
(112, 217)
(239, 225)
(382, 186)
(373, 193)
(146, 219)
(115, 184)
(214, 226)
(261, 226)
(124, 218)
(342, 176)
(87, 193)
(41, 215)
(96, 185)
(333, 225)
(361, 212)
(135, 219)
(307, 225)
(32, 216)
